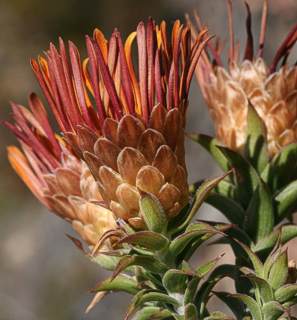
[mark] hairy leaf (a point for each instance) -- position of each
(256, 146)
(286, 293)
(211, 145)
(272, 310)
(153, 213)
(121, 283)
(286, 201)
(147, 239)
(260, 213)
(252, 305)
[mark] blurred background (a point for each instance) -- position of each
(42, 275)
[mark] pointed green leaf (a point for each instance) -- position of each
(235, 305)
(279, 270)
(265, 290)
(147, 262)
(133, 306)
(147, 239)
(190, 293)
(256, 262)
(217, 315)
(256, 146)
(272, 310)
(290, 303)
(251, 304)
(231, 209)
(285, 232)
(211, 145)
(247, 176)
(191, 312)
(150, 313)
(271, 259)
(260, 213)
(177, 245)
(204, 291)
(121, 283)
(205, 268)
(227, 189)
(175, 281)
(201, 194)
(158, 297)
(286, 200)
(105, 261)
(153, 213)
(286, 293)
(282, 169)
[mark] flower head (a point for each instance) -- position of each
(55, 175)
(228, 91)
(126, 125)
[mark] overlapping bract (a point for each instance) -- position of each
(228, 91)
(127, 128)
(122, 133)
(55, 175)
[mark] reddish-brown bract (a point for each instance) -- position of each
(126, 127)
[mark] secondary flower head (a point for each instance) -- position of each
(55, 175)
(127, 126)
(228, 90)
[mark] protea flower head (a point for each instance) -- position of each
(272, 91)
(128, 127)
(61, 181)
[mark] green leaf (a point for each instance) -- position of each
(235, 305)
(121, 283)
(175, 281)
(290, 303)
(150, 313)
(147, 262)
(282, 169)
(201, 194)
(204, 291)
(256, 262)
(271, 259)
(256, 146)
(177, 245)
(217, 315)
(251, 304)
(191, 290)
(279, 270)
(286, 201)
(211, 145)
(159, 297)
(227, 189)
(105, 261)
(285, 232)
(286, 293)
(247, 176)
(147, 239)
(265, 290)
(153, 213)
(228, 207)
(272, 310)
(191, 312)
(260, 213)
(205, 268)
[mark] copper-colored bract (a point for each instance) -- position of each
(228, 91)
(55, 176)
(127, 126)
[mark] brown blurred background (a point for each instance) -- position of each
(42, 275)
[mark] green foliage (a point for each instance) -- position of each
(255, 194)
